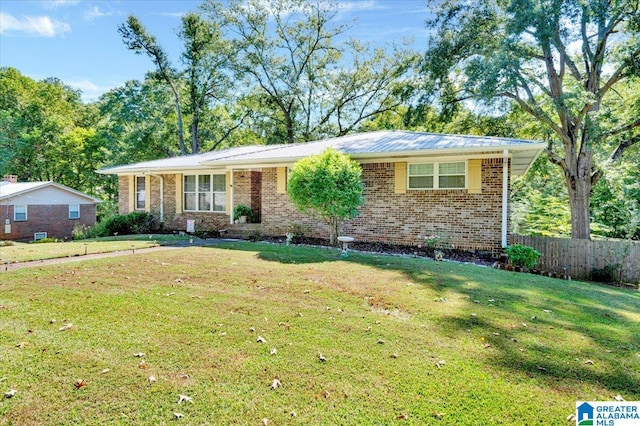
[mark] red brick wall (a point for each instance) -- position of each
(123, 194)
(204, 221)
(247, 190)
(468, 221)
(52, 219)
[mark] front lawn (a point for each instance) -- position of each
(245, 332)
(25, 252)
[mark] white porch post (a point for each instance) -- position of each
(231, 196)
(505, 195)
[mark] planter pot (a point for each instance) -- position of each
(242, 219)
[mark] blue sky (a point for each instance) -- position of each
(77, 40)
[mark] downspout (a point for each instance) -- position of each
(161, 194)
(505, 195)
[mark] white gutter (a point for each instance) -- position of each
(505, 195)
(161, 193)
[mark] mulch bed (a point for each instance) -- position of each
(478, 257)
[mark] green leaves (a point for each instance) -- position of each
(327, 186)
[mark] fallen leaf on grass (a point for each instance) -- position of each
(105, 371)
(547, 311)
(185, 398)
(381, 342)
(321, 358)
(261, 340)
(152, 379)
(326, 394)
(11, 393)
(619, 398)
(178, 415)
(440, 363)
(437, 415)
(66, 327)
(143, 365)
(252, 329)
(52, 321)
(541, 368)
(273, 351)
(80, 383)
(275, 384)
(571, 417)
(486, 345)
(293, 414)
(394, 356)
(265, 422)
(21, 345)
(138, 354)
(588, 362)
(402, 416)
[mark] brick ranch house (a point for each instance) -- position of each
(34, 210)
(416, 185)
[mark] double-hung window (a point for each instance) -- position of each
(19, 213)
(205, 193)
(74, 211)
(141, 197)
(450, 175)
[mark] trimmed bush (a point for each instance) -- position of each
(523, 256)
(131, 223)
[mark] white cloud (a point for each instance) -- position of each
(42, 26)
(52, 4)
(351, 6)
(94, 13)
(90, 90)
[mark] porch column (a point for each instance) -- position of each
(505, 195)
(230, 195)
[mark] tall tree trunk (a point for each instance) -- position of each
(579, 188)
(176, 101)
(579, 201)
(195, 144)
(289, 124)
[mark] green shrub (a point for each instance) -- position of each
(46, 240)
(522, 256)
(131, 223)
(242, 210)
(608, 274)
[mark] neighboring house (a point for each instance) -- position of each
(35, 210)
(416, 185)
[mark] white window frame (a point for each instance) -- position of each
(436, 175)
(76, 210)
(15, 214)
(210, 192)
(138, 200)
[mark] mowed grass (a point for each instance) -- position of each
(404, 341)
(26, 252)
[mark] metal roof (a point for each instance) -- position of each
(9, 189)
(377, 145)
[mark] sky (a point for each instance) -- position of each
(77, 40)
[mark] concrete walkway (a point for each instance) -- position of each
(173, 246)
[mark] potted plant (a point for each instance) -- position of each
(241, 213)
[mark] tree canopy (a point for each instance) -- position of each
(328, 187)
(561, 61)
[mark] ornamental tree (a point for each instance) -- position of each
(327, 187)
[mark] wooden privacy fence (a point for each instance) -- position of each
(580, 258)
